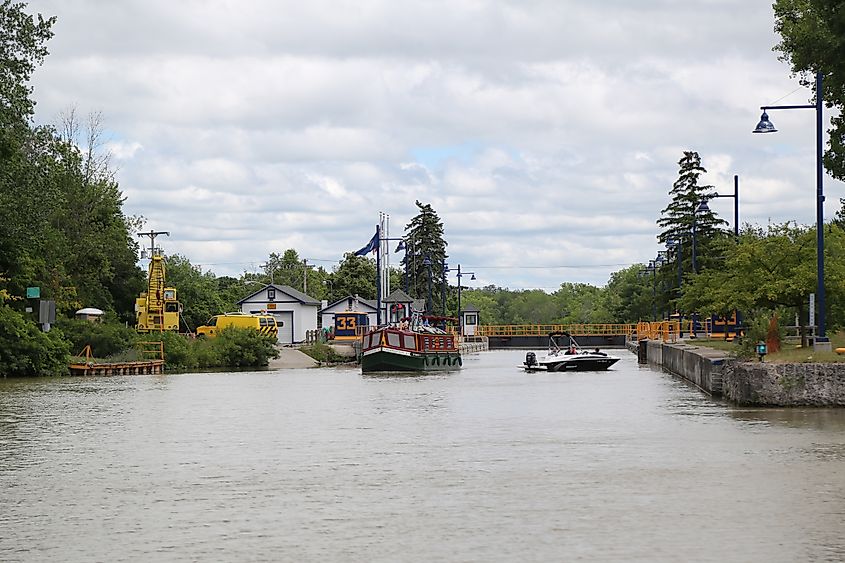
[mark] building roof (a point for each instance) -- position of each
(296, 294)
(470, 308)
(366, 302)
(398, 296)
(90, 311)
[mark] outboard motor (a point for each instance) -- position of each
(530, 359)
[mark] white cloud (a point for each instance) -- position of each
(545, 133)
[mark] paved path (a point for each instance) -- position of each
(291, 358)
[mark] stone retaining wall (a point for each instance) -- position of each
(785, 385)
(751, 383)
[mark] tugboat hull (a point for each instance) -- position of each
(380, 359)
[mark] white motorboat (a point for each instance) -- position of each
(570, 358)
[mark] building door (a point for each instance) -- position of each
(284, 320)
(470, 323)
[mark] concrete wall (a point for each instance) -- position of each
(701, 366)
(751, 383)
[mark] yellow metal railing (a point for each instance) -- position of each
(667, 331)
(543, 330)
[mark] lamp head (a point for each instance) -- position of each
(473, 277)
(702, 207)
(427, 261)
(765, 126)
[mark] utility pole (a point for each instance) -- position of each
(153, 234)
(272, 268)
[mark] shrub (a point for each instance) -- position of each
(105, 338)
(758, 330)
(205, 352)
(178, 353)
(26, 351)
(244, 347)
(323, 353)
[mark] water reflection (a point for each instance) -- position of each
(829, 419)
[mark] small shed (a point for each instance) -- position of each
(469, 319)
(90, 314)
(294, 311)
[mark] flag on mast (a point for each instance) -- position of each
(371, 246)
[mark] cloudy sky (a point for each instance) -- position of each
(546, 134)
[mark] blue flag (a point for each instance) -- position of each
(372, 246)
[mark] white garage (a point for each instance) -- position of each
(294, 311)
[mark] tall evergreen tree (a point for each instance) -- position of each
(424, 239)
(679, 217)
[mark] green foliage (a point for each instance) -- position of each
(292, 270)
(628, 296)
(178, 350)
(813, 39)
(355, 275)
(766, 268)
(26, 351)
(323, 353)
(580, 303)
(196, 290)
(488, 308)
(106, 339)
(205, 352)
(233, 347)
(244, 347)
(679, 219)
(22, 48)
(757, 323)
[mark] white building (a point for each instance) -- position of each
(294, 311)
(352, 303)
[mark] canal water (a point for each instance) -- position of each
(487, 464)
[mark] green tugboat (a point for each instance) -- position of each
(409, 347)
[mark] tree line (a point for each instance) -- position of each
(63, 229)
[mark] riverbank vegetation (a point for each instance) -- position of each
(324, 354)
(791, 350)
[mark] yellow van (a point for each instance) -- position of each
(265, 324)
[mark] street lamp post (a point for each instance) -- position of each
(460, 316)
(675, 245)
(735, 197)
(662, 258)
(446, 270)
(702, 207)
(766, 126)
(652, 269)
(428, 303)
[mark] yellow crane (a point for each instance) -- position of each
(157, 310)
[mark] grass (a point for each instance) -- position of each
(788, 354)
(323, 353)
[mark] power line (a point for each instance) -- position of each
(558, 267)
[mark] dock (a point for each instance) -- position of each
(153, 366)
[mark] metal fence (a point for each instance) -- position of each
(608, 329)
